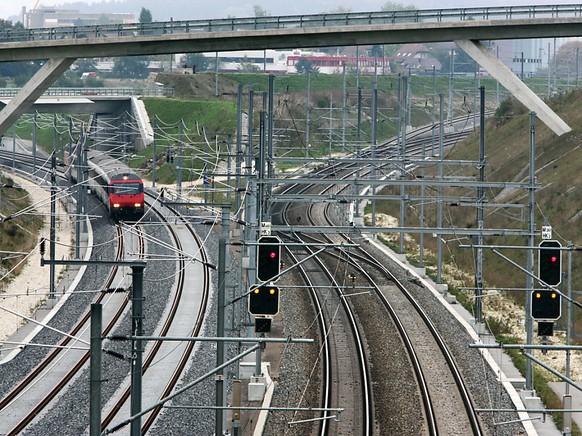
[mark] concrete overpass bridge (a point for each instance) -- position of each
(466, 26)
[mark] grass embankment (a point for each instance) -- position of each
(19, 234)
(198, 130)
(557, 203)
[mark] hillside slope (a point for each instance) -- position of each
(558, 201)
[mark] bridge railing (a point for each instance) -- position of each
(152, 91)
(293, 21)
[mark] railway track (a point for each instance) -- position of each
(448, 405)
(183, 306)
(164, 362)
(350, 351)
(65, 361)
(343, 355)
(432, 365)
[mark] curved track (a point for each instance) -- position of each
(431, 376)
(61, 357)
(179, 300)
(184, 305)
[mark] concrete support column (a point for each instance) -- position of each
(36, 86)
(511, 82)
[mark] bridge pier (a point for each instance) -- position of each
(36, 86)
(511, 82)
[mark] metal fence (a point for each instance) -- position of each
(153, 91)
(294, 21)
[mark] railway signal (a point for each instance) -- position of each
(268, 258)
(262, 325)
(264, 300)
(550, 262)
(546, 305)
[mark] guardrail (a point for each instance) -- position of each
(99, 92)
(293, 21)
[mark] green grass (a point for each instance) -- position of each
(18, 234)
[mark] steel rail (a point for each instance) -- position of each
(170, 318)
(38, 371)
(365, 377)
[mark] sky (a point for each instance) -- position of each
(10, 9)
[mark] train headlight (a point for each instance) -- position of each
(137, 204)
(116, 205)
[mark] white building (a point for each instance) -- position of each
(45, 16)
(282, 62)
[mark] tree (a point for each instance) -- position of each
(104, 19)
(260, 12)
(567, 59)
(145, 16)
(304, 66)
(196, 60)
(463, 63)
(85, 65)
(135, 67)
(376, 51)
(21, 70)
(340, 10)
(394, 6)
(248, 67)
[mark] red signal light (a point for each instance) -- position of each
(268, 254)
(550, 260)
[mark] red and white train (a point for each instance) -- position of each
(114, 183)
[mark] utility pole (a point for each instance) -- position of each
(155, 158)
(480, 216)
(238, 158)
(52, 231)
(137, 268)
(136, 345)
(403, 122)
(344, 108)
(529, 282)
(308, 115)
(95, 371)
(567, 398)
(80, 192)
(374, 127)
(440, 192)
(261, 168)
(179, 177)
(34, 143)
(220, 320)
(14, 147)
(451, 85)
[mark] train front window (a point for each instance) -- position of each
(126, 188)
